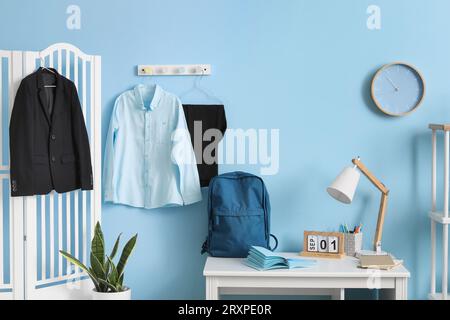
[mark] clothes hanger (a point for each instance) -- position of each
(49, 70)
(196, 87)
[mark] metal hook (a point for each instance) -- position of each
(43, 65)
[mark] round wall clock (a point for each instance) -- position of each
(398, 89)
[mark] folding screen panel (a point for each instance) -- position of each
(11, 253)
(46, 224)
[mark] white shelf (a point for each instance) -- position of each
(439, 217)
(437, 296)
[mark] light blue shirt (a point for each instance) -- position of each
(149, 158)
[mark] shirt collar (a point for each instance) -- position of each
(138, 90)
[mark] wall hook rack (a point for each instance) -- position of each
(174, 70)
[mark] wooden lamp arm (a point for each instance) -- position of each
(384, 197)
(377, 183)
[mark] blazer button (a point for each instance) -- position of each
(53, 137)
(53, 159)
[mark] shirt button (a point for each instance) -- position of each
(53, 159)
(53, 137)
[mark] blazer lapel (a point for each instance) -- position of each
(58, 101)
(43, 96)
(42, 99)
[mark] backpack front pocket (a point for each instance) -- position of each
(235, 232)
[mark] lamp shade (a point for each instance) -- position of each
(344, 186)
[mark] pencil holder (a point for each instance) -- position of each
(352, 243)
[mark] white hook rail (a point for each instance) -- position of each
(174, 70)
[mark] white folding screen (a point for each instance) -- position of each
(47, 224)
(11, 236)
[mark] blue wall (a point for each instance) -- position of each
(301, 66)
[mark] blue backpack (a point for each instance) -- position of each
(239, 215)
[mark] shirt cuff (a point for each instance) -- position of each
(192, 198)
(108, 195)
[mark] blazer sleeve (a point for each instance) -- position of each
(81, 143)
(19, 143)
(183, 156)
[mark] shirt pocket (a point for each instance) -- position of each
(163, 132)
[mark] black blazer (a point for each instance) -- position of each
(48, 142)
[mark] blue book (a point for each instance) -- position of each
(263, 259)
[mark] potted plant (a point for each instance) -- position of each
(106, 276)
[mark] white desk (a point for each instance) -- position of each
(329, 277)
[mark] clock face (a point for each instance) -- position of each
(398, 89)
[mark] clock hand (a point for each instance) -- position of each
(395, 87)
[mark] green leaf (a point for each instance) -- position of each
(113, 277)
(112, 255)
(98, 244)
(126, 252)
(109, 285)
(101, 287)
(76, 262)
(121, 279)
(97, 267)
(107, 267)
(73, 260)
(116, 246)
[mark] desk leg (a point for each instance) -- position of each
(400, 292)
(401, 289)
(212, 290)
(338, 294)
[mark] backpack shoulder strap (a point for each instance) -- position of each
(276, 243)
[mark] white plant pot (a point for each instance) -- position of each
(124, 295)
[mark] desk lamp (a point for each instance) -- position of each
(344, 187)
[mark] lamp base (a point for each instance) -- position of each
(360, 253)
(377, 252)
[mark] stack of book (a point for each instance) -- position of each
(262, 259)
(382, 262)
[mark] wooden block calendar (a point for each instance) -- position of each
(323, 244)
